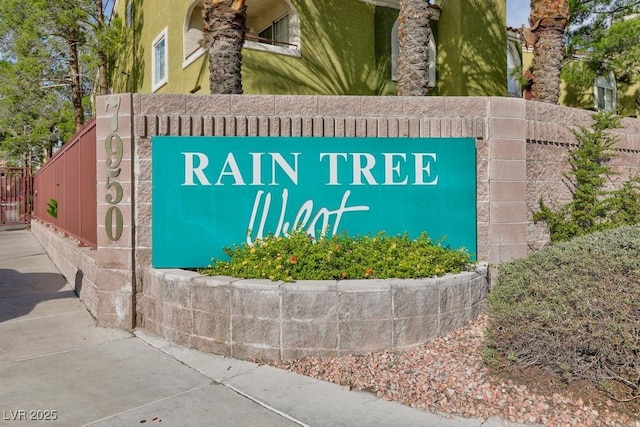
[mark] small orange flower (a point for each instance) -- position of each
(294, 259)
(344, 274)
(368, 272)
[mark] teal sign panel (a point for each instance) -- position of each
(212, 192)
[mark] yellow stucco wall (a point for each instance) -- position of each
(472, 40)
(338, 58)
(582, 96)
(340, 52)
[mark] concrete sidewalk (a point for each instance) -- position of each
(57, 365)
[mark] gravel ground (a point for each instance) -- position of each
(448, 376)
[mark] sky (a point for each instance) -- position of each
(518, 13)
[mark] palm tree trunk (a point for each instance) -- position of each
(224, 31)
(414, 31)
(547, 53)
(548, 21)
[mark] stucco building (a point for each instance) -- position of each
(314, 47)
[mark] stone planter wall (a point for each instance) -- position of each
(248, 319)
(521, 152)
(76, 263)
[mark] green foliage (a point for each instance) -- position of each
(52, 208)
(519, 74)
(299, 257)
(623, 206)
(592, 208)
(619, 50)
(33, 120)
(578, 72)
(39, 89)
(572, 308)
(607, 35)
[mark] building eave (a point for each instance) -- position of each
(395, 4)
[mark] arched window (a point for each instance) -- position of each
(514, 68)
(395, 54)
(273, 26)
(192, 34)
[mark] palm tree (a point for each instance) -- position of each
(223, 31)
(548, 20)
(414, 31)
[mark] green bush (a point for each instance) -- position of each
(52, 208)
(299, 257)
(574, 309)
(592, 208)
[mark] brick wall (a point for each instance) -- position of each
(522, 148)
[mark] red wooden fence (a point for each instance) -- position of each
(68, 180)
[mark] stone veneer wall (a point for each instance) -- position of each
(76, 263)
(548, 146)
(248, 319)
(522, 148)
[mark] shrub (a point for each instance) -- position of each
(52, 208)
(574, 309)
(299, 257)
(592, 208)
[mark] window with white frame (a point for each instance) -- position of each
(159, 61)
(273, 26)
(192, 34)
(605, 92)
(277, 33)
(395, 54)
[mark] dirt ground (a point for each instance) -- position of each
(448, 375)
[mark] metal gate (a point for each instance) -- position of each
(15, 196)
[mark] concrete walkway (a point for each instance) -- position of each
(57, 365)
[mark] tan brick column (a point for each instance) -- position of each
(507, 174)
(116, 277)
